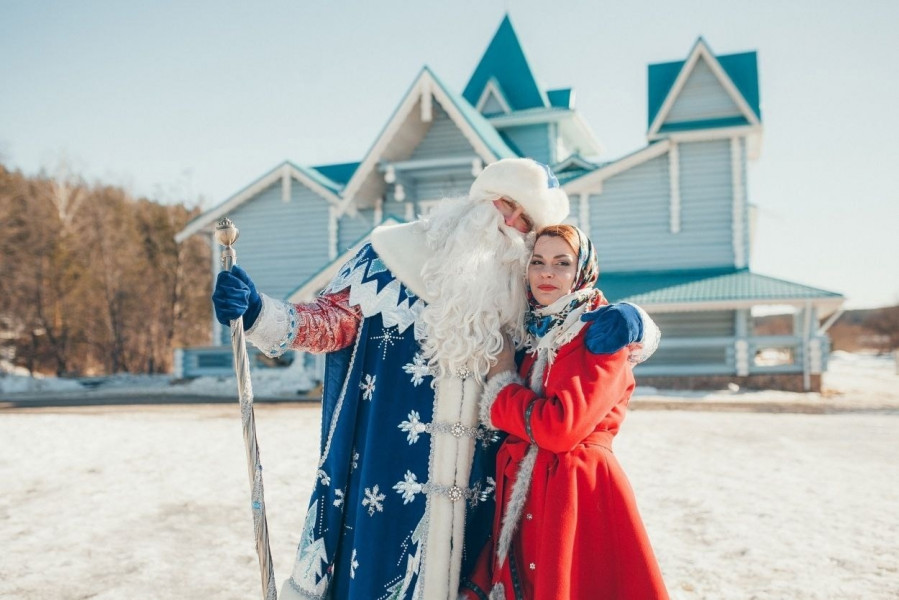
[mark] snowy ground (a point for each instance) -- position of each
(153, 502)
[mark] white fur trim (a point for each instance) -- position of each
(291, 591)
(516, 503)
(492, 389)
(497, 593)
(650, 340)
(526, 182)
(404, 249)
(275, 327)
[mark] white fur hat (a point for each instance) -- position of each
(529, 183)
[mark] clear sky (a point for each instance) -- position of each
(193, 100)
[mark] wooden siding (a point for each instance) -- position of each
(630, 220)
(717, 323)
(351, 228)
(282, 243)
(701, 98)
(532, 141)
(443, 140)
(747, 206)
(436, 186)
(492, 106)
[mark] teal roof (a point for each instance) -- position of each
(742, 69)
(561, 98)
(478, 122)
(713, 285)
(504, 60)
(318, 177)
(338, 173)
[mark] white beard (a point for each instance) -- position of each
(477, 279)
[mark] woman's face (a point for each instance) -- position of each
(552, 269)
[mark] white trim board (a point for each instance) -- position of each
(592, 181)
(276, 175)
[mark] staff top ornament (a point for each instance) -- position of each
(226, 233)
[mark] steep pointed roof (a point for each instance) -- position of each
(504, 62)
(736, 73)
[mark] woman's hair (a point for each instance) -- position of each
(568, 233)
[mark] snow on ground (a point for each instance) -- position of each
(852, 381)
(152, 502)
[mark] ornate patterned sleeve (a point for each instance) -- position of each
(326, 324)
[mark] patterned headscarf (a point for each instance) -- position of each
(541, 319)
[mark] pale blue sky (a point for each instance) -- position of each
(193, 100)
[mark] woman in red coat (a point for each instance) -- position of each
(567, 525)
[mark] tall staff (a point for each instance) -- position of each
(226, 234)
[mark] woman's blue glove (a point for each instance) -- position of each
(235, 295)
(614, 327)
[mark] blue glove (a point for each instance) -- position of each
(235, 295)
(614, 327)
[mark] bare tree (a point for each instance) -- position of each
(884, 322)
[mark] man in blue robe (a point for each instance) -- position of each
(403, 498)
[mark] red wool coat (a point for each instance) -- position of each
(580, 535)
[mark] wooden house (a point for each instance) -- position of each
(671, 221)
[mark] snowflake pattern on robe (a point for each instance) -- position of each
(367, 521)
(418, 368)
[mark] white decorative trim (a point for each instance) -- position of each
(427, 102)
(739, 203)
(285, 184)
(275, 327)
(704, 135)
(825, 305)
(267, 180)
(492, 89)
(335, 416)
(674, 187)
(807, 318)
(531, 116)
(491, 390)
(593, 180)
(379, 212)
(584, 212)
(332, 233)
(815, 355)
(741, 357)
(700, 50)
(178, 363)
